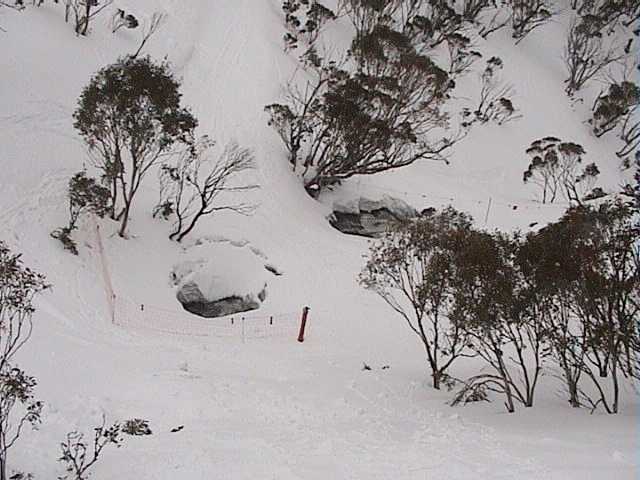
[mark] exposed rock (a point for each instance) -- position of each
(195, 302)
(370, 218)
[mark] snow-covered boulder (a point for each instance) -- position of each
(217, 279)
(370, 218)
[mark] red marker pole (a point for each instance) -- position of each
(303, 323)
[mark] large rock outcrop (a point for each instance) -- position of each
(194, 301)
(370, 218)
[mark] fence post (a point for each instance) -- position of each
(106, 276)
(303, 324)
(486, 217)
(242, 329)
(113, 308)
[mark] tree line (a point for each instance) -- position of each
(563, 301)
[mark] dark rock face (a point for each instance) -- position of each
(193, 301)
(370, 218)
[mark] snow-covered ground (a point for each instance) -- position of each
(270, 407)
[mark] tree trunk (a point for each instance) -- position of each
(3, 451)
(507, 387)
(189, 228)
(437, 378)
(85, 22)
(616, 389)
(114, 197)
(125, 218)
(574, 400)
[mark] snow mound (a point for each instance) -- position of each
(221, 270)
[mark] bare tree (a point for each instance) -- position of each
(150, 29)
(84, 11)
(586, 55)
(19, 286)
(499, 18)
(298, 120)
(495, 103)
(630, 132)
(410, 269)
(192, 187)
(79, 456)
(471, 9)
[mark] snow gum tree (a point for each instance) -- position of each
(381, 106)
(611, 108)
(411, 269)
(554, 168)
(586, 53)
(130, 116)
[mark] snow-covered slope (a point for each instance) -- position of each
(269, 407)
